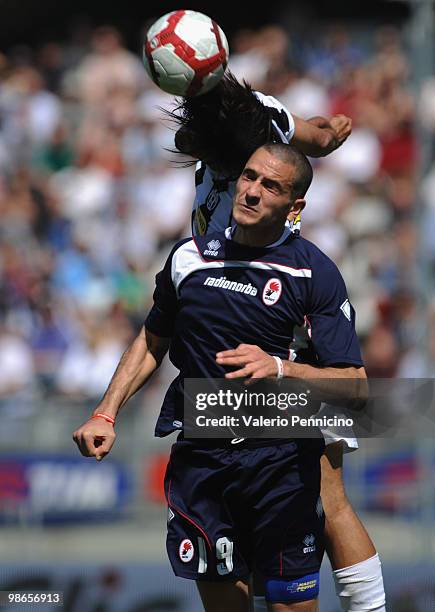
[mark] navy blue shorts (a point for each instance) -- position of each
(236, 509)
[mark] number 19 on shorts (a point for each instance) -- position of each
(224, 556)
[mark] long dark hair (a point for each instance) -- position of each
(224, 126)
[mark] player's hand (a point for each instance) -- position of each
(342, 126)
(95, 438)
(254, 362)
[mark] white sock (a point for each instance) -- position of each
(260, 604)
(360, 587)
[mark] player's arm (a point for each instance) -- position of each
(254, 363)
(96, 437)
(318, 136)
(136, 366)
(259, 364)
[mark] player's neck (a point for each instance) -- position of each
(256, 237)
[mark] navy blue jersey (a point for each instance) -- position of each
(214, 294)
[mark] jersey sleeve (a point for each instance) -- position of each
(161, 318)
(331, 319)
(282, 119)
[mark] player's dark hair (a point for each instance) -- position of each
(291, 155)
(223, 126)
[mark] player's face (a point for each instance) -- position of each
(263, 195)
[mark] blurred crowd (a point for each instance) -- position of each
(91, 198)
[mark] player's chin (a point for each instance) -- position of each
(244, 216)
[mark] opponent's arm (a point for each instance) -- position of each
(318, 136)
(95, 438)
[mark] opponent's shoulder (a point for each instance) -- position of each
(269, 101)
(281, 117)
(207, 178)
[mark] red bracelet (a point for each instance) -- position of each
(106, 417)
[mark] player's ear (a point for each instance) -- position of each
(296, 209)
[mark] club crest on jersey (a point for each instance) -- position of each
(272, 291)
(186, 551)
(212, 248)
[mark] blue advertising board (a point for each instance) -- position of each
(53, 488)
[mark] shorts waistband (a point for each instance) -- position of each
(234, 442)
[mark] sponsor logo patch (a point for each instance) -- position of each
(213, 200)
(223, 283)
(301, 587)
(272, 291)
(186, 551)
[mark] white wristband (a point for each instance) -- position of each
(279, 363)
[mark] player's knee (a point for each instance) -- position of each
(292, 591)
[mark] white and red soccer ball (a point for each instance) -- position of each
(185, 53)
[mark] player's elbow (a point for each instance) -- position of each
(351, 389)
(360, 390)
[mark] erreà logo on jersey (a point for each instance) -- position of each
(272, 291)
(309, 543)
(213, 247)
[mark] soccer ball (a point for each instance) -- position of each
(185, 53)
